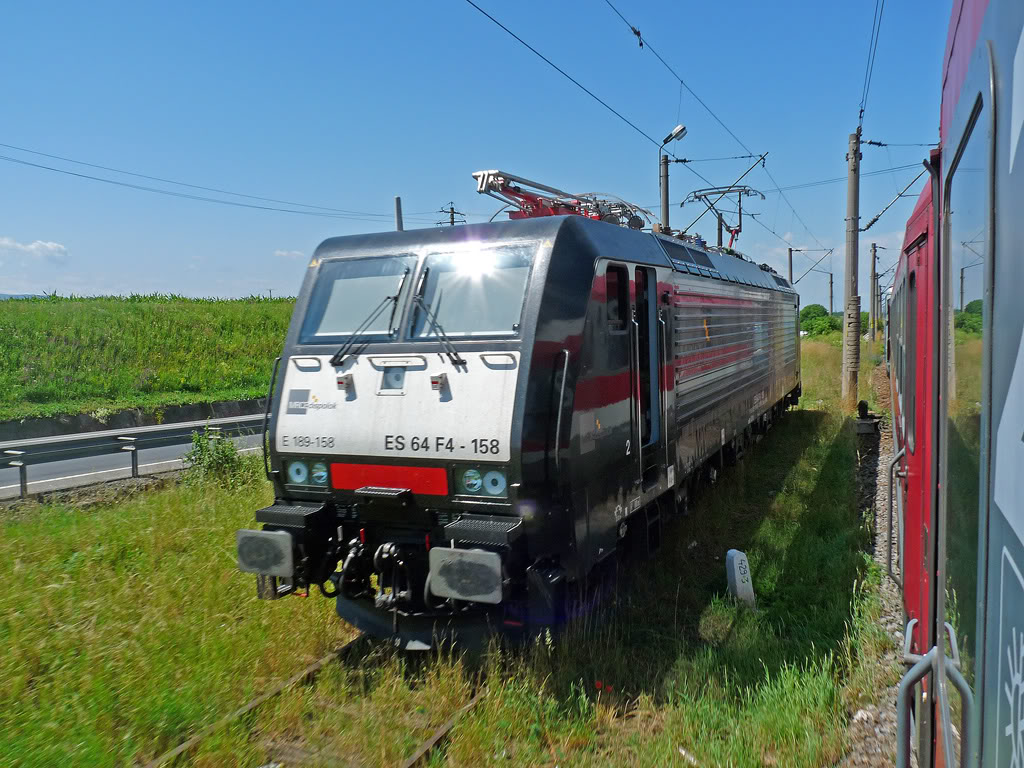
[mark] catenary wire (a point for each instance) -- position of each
(645, 43)
(569, 77)
(869, 67)
(186, 184)
(184, 195)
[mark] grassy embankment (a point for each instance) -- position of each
(99, 355)
(124, 628)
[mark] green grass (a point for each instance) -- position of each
(125, 628)
(82, 355)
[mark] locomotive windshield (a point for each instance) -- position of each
(347, 295)
(477, 292)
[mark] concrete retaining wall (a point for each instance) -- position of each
(26, 429)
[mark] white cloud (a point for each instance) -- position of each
(55, 253)
(282, 254)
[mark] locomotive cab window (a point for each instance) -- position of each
(473, 292)
(348, 294)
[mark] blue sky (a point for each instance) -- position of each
(345, 105)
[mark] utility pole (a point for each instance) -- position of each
(790, 264)
(830, 294)
(720, 223)
(962, 288)
(664, 195)
(398, 214)
(451, 213)
(874, 291)
(851, 301)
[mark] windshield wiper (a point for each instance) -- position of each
(449, 348)
(339, 356)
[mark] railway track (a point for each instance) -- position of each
(308, 675)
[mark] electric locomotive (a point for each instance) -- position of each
(467, 421)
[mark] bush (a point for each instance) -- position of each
(973, 307)
(812, 311)
(968, 321)
(821, 325)
(215, 457)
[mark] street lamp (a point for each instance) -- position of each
(677, 133)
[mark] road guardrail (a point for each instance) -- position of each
(22, 454)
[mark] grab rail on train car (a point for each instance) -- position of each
(922, 665)
(898, 580)
(558, 418)
(266, 417)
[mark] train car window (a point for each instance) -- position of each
(616, 285)
(676, 253)
(477, 292)
(700, 258)
(965, 253)
(910, 356)
(347, 293)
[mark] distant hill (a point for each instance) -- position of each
(20, 296)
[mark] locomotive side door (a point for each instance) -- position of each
(645, 367)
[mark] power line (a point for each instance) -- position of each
(869, 67)
(186, 184)
(675, 74)
(878, 215)
(567, 76)
(812, 269)
(644, 42)
(837, 179)
(590, 93)
(186, 195)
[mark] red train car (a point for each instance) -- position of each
(955, 354)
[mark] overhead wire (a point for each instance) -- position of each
(569, 77)
(838, 179)
(186, 195)
(186, 184)
(646, 43)
(587, 91)
(869, 67)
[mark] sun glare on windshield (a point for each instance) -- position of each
(473, 265)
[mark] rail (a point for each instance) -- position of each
(22, 454)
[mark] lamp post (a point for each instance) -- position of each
(677, 133)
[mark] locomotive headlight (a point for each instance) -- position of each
(298, 472)
(318, 472)
(495, 483)
(472, 481)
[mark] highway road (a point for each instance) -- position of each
(73, 473)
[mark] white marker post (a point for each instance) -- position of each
(737, 570)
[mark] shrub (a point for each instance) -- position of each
(968, 321)
(810, 312)
(215, 457)
(821, 325)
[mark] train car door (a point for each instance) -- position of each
(646, 365)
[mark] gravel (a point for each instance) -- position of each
(871, 735)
